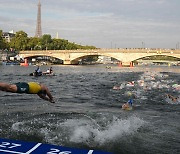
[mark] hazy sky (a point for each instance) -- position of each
(102, 23)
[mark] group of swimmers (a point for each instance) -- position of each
(43, 92)
(129, 104)
(147, 82)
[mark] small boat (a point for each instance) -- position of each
(36, 74)
(41, 74)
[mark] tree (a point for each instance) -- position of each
(46, 41)
(34, 43)
(3, 43)
(20, 41)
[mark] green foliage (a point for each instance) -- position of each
(21, 41)
(3, 43)
(34, 43)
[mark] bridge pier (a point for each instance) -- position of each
(25, 62)
(67, 62)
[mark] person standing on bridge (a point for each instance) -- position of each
(29, 88)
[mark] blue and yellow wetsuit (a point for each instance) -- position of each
(29, 88)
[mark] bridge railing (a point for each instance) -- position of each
(158, 51)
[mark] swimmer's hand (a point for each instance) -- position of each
(52, 101)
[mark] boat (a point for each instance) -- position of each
(41, 74)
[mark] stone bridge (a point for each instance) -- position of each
(125, 56)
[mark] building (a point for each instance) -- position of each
(8, 35)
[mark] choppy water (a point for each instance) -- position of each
(88, 113)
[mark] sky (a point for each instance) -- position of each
(101, 23)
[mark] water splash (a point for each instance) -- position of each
(88, 131)
(116, 129)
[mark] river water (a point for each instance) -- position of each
(87, 113)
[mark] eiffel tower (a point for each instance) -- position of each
(38, 25)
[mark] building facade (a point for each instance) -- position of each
(8, 35)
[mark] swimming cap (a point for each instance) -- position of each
(129, 93)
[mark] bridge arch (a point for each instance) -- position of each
(75, 59)
(43, 57)
(153, 55)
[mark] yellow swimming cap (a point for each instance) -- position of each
(129, 93)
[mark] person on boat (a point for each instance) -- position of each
(29, 88)
(49, 71)
(37, 71)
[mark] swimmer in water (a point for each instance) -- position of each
(128, 105)
(131, 83)
(174, 99)
(29, 88)
(116, 88)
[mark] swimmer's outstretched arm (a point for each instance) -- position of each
(8, 87)
(48, 97)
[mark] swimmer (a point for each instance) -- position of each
(174, 99)
(130, 84)
(141, 83)
(130, 102)
(129, 93)
(128, 105)
(116, 88)
(176, 87)
(29, 88)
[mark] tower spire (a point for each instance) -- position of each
(57, 35)
(38, 24)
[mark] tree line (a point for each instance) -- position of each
(3, 43)
(21, 41)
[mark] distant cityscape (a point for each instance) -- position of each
(12, 42)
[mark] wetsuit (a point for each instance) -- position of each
(29, 88)
(130, 101)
